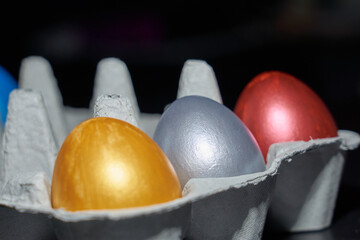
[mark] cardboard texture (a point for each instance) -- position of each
(27, 165)
(307, 185)
(112, 77)
(115, 106)
(300, 182)
(20, 225)
(198, 78)
(36, 73)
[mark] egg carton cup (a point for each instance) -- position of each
(307, 186)
(220, 208)
(211, 208)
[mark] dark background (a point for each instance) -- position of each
(317, 41)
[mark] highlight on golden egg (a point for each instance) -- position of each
(106, 163)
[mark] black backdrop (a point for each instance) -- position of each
(317, 41)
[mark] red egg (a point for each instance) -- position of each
(278, 107)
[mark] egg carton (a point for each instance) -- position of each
(299, 184)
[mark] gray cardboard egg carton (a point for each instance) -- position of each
(299, 185)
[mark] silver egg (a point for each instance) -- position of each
(205, 139)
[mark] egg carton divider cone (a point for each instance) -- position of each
(211, 208)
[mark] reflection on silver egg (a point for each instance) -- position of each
(205, 139)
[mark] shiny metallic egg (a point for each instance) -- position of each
(106, 163)
(277, 107)
(205, 139)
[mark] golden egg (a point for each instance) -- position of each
(106, 163)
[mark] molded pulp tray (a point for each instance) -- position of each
(302, 178)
